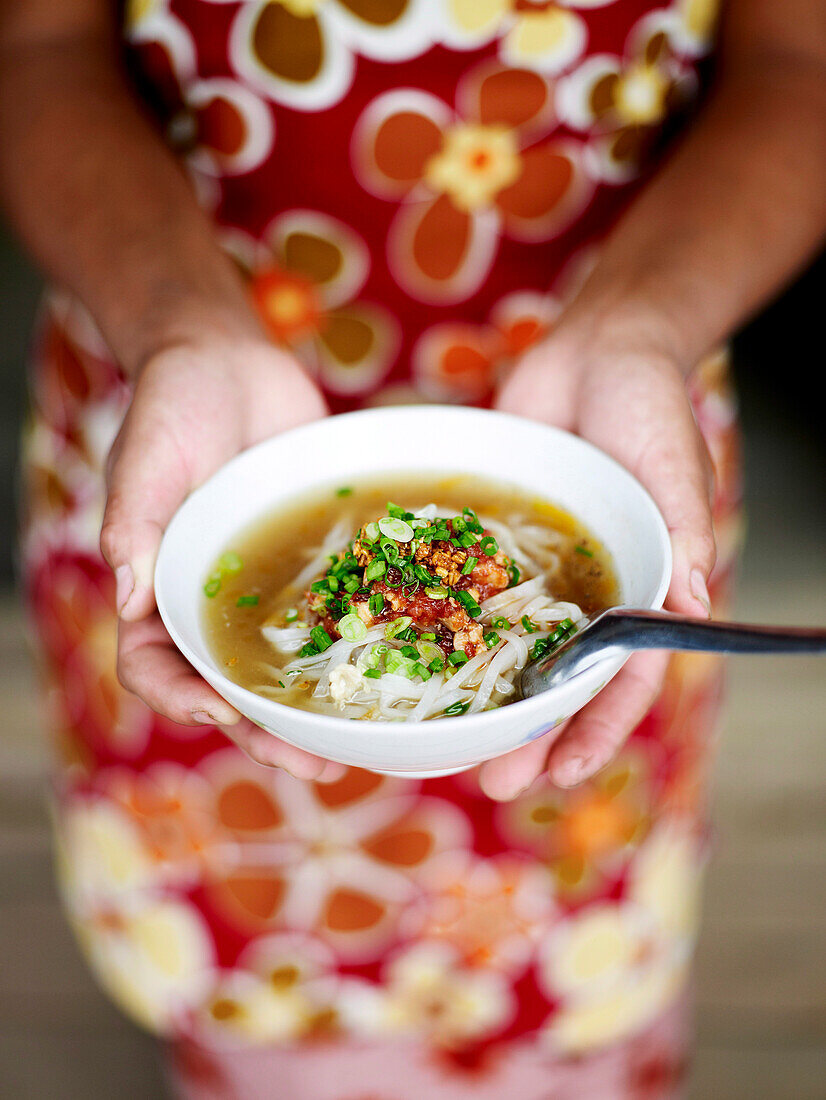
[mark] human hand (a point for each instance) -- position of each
(630, 400)
(196, 404)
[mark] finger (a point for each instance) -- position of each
(506, 777)
(267, 749)
(147, 481)
(596, 733)
(150, 666)
(670, 458)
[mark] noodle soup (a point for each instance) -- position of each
(401, 598)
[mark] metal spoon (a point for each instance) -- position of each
(626, 630)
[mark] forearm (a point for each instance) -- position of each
(736, 210)
(101, 204)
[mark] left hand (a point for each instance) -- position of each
(630, 400)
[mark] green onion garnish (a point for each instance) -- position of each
(344, 491)
(291, 615)
(309, 650)
(397, 529)
(394, 628)
(247, 601)
(455, 709)
(437, 592)
(514, 573)
(501, 623)
(428, 636)
(530, 628)
(585, 553)
(469, 603)
(212, 586)
(372, 531)
(230, 563)
(376, 603)
(436, 665)
(321, 639)
(492, 639)
(488, 545)
(467, 538)
(459, 657)
(429, 650)
(351, 628)
(281, 683)
(372, 673)
(469, 566)
(409, 651)
(377, 568)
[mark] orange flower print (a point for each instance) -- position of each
(339, 860)
(545, 35)
(217, 125)
(491, 912)
(621, 102)
(306, 276)
(584, 836)
(466, 177)
(461, 361)
(302, 52)
(170, 807)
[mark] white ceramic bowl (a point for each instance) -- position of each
(554, 464)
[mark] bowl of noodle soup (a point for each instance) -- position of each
(370, 586)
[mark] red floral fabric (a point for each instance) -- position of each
(413, 188)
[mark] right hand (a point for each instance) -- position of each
(195, 405)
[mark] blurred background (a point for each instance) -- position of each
(761, 992)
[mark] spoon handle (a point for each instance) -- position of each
(624, 630)
(630, 629)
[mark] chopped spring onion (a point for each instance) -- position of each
(344, 491)
(422, 670)
(408, 635)
(309, 650)
(372, 673)
(230, 563)
(469, 603)
(377, 568)
(376, 653)
(488, 545)
(321, 639)
(437, 664)
(351, 585)
(428, 636)
(397, 529)
(501, 623)
(247, 601)
(492, 639)
(390, 550)
(514, 573)
(429, 651)
(291, 615)
(456, 708)
(213, 585)
(394, 628)
(459, 657)
(528, 625)
(375, 604)
(467, 538)
(437, 592)
(372, 531)
(399, 665)
(469, 566)
(585, 553)
(351, 628)
(409, 651)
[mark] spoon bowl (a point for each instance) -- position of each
(623, 630)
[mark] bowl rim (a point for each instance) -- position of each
(442, 727)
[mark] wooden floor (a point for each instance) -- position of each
(761, 986)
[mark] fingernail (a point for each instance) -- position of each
(124, 586)
(226, 718)
(699, 590)
(571, 772)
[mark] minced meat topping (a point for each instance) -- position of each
(425, 578)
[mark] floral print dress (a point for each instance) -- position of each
(413, 188)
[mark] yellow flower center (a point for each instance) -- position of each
(288, 306)
(474, 164)
(640, 94)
